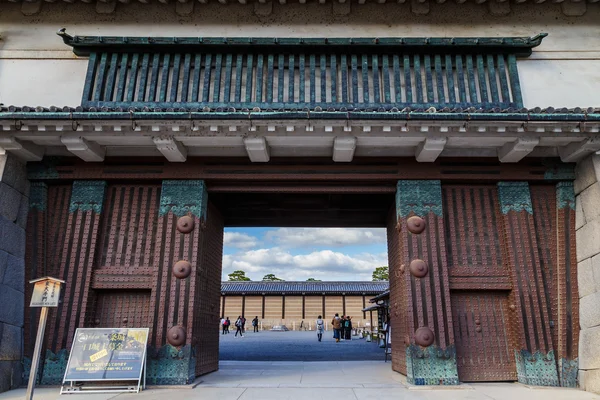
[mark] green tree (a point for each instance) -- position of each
(381, 274)
(271, 278)
(313, 280)
(238, 275)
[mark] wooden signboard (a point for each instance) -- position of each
(109, 355)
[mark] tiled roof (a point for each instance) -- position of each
(368, 288)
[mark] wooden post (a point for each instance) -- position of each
(36, 353)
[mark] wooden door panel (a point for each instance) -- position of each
(483, 350)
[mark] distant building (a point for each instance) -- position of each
(296, 303)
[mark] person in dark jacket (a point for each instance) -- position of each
(238, 325)
(348, 328)
(255, 323)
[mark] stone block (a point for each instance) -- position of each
(10, 375)
(585, 175)
(14, 173)
(11, 338)
(590, 202)
(589, 380)
(589, 348)
(589, 311)
(12, 310)
(585, 278)
(14, 276)
(23, 212)
(579, 214)
(3, 264)
(596, 270)
(10, 202)
(12, 238)
(588, 240)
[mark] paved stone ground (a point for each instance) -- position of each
(296, 346)
(348, 380)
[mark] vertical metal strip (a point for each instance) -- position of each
(483, 87)
(503, 80)
(259, 78)
(450, 79)
(323, 70)
(418, 78)
(133, 72)
(228, 73)
(207, 74)
(90, 77)
(302, 83)
(428, 78)
(175, 78)
(333, 76)
(154, 77)
(143, 78)
(471, 80)
(239, 65)
(397, 82)
(515, 86)
(460, 77)
(249, 75)
(365, 78)
(98, 91)
(491, 69)
(344, 68)
(124, 67)
(386, 79)
(196, 78)
(354, 79)
(164, 82)
(185, 84)
(313, 78)
(439, 77)
(270, 77)
(376, 78)
(291, 79)
(217, 79)
(407, 79)
(280, 77)
(111, 78)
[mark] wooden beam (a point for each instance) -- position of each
(343, 149)
(258, 149)
(170, 148)
(517, 150)
(576, 151)
(430, 149)
(23, 150)
(84, 149)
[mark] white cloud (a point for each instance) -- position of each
(324, 265)
(239, 240)
(335, 237)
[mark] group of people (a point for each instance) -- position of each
(342, 327)
(240, 325)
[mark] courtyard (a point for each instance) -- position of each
(295, 346)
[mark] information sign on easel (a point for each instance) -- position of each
(111, 355)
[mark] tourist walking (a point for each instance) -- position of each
(348, 328)
(227, 324)
(223, 321)
(238, 326)
(320, 328)
(243, 324)
(337, 327)
(255, 323)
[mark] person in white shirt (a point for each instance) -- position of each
(320, 328)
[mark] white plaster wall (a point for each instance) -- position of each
(36, 68)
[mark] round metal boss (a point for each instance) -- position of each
(424, 336)
(176, 336)
(418, 268)
(185, 224)
(182, 269)
(416, 224)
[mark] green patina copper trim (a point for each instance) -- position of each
(54, 367)
(38, 196)
(514, 196)
(87, 196)
(183, 197)
(431, 365)
(419, 197)
(558, 171)
(537, 369)
(171, 366)
(568, 372)
(565, 195)
(43, 170)
(521, 46)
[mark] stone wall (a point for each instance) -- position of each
(587, 190)
(14, 204)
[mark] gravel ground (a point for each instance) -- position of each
(295, 346)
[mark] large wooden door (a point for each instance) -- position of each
(483, 350)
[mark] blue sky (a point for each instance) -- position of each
(328, 254)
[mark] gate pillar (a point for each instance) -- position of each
(529, 300)
(186, 285)
(422, 333)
